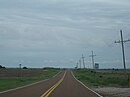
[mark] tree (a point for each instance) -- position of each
(25, 68)
(1, 66)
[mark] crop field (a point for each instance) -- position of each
(101, 78)
(12, 78)
(14, 73)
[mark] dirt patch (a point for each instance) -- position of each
(14, 73)
(113, 92)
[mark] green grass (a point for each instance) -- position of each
(95, 78)
(9, 83)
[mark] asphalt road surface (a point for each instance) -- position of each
(62, 85)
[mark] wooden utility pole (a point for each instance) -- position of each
(93, 63)
(20, 67)
(122, 41)
(80, 63)
(77, 65)
(83, 60)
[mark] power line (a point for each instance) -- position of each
(122, 41)
(93, 59)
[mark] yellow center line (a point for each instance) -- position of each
(49, 91)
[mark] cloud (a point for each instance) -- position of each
(63, 28)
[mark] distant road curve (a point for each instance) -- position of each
(62, 85)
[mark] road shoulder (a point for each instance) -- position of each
(85, 85)
(113, 91)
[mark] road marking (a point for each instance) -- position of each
(85, 85)
(49, 91)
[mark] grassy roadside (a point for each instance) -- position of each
(9, 83)
(101, 78)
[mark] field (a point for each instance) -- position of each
(101, 78)
(12, 78)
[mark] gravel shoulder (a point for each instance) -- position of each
(113, 91)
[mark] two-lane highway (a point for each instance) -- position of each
(70, 87)
(62, 85)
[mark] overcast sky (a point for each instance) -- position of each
(42, 33)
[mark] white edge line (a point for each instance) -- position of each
(86, 86)
(28, 84)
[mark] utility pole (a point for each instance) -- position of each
(77, 65)
(93, 59)
(122, 41)
(20, 67)
(83, 60)
(80, 63)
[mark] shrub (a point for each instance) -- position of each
(25, 68)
